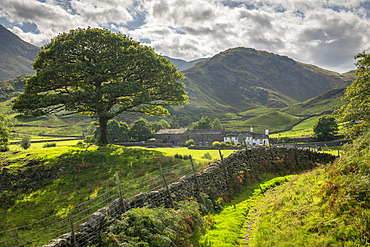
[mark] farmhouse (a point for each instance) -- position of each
(206, 137)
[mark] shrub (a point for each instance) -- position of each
(4, 148)
(90, 139)
(155, 226)
(49, 144)
(217, 144)
(190, 142)
(25, 142)
(80, 143)
(207, 156)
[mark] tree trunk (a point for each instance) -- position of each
(103, 138)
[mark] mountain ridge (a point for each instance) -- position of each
(240, 78)
(16, 55)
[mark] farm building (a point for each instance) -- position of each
(206, 137)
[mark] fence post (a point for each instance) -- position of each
(72, 230)
(295, 153)
(272, 154)
(247, 153)
(120, 192)
(195, 175)
(223, 165)
(165, 184)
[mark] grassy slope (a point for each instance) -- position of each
(80, 173)
(276, 119)
(294, 215)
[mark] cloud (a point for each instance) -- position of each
(326, 33)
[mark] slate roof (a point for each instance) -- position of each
(206, 132)
(171, 131)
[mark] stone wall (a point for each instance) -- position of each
(216, 178)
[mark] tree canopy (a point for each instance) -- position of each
(4, 132)
(357, 94)
(100, 74)
(325, 128)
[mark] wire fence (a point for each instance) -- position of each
(43, 231)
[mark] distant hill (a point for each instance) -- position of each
(322, 104)
(16, 55)
(241, 78)
(184, 65)
(11, 88)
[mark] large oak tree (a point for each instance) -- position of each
(100, 74)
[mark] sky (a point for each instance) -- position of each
(326, 33)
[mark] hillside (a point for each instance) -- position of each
(184, 65)
(11, 88)
(279, 119)
(241, 78)
(16, 55)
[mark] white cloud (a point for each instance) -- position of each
(326, 33)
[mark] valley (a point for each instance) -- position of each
(201, 196)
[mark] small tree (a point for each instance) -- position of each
(4, 133)
(189, 142)
(203, 123)
(325, 128)
(117, 132)
(25, 142)
(357, 110)
(140, 130)
(216, 124)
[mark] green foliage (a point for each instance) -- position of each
(100, 74)
(155, 126)
(347, 189)
(118, 132)
(325, 128)
(89, 139)
(140, 130)
(216, 144)
(203, 123)
(49, 145)
(4, 132)
(357, 94)
(190, 142)
(25, 142)
(216, 124)
(153, 227)
(207, 156)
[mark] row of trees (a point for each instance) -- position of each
(140, 130)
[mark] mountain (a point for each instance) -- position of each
(184, 65)
(11, 88)
(16, 55)
(239, 79)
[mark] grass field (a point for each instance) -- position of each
(196, 154)
(79, 174)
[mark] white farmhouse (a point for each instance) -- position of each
(250, 138)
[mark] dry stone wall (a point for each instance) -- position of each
(216, 179)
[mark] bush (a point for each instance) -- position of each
(90, 139)
(25, 142)
(207, 156)
(217, 144)
(190, 142)
(155, 226)
(80, 143)
(49, 145)
(4, 148)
